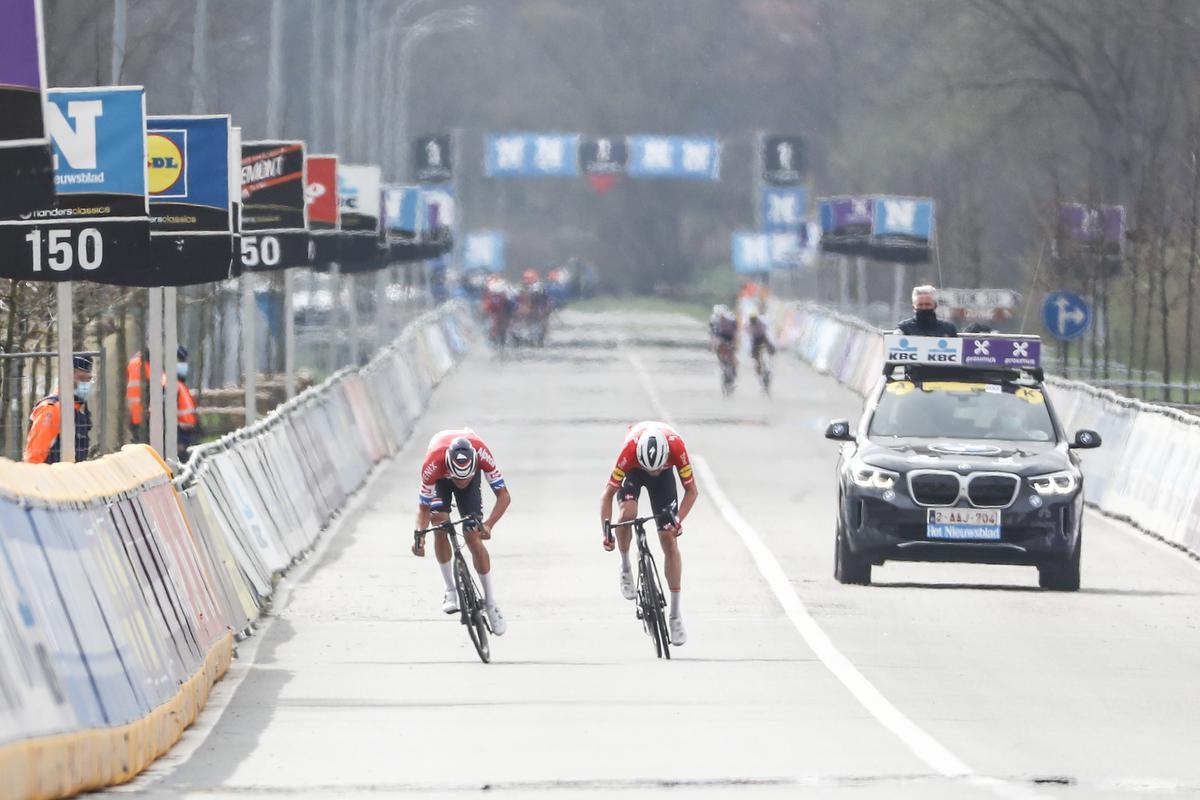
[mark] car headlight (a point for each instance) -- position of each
(873, 477)
(1055, 483)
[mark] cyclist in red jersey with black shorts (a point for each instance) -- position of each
(649, 458)
(455, 465)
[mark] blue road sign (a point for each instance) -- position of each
(1066, 315)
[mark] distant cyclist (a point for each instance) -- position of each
(649, 457)
(924, 321)
(454, 466)
(760, 339)
(722, 326)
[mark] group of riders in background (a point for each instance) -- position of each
(519, 314)
(728, 328)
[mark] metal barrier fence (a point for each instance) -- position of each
(121, 590)
(25, 378)
(1146, 473)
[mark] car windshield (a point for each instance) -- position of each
(962, 410)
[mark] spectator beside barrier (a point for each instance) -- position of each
(42, 445)
(121, 590)
(1144, 475)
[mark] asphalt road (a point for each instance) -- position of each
(940, 681)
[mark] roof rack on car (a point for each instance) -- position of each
(984, 351)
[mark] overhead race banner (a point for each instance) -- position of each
(26, 163)
(531, 155)
(321, 197)
(191, 211)
(782, 159)
(484, 250)
(432, 158)
(783, 209)
(98, 229)
(674, 157)
(358, 206)
(1093, 233)
(274, 222)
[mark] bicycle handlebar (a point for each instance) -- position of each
(448, 525)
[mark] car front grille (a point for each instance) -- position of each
(992, 491)
(934, 488)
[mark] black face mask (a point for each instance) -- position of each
(926, 317)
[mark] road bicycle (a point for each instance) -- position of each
(650, 599)
(471, 608)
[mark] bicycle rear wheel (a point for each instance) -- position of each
(471, 609)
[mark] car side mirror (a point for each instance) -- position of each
(839, 431)
(1085, 440)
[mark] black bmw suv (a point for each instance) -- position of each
(963, 464)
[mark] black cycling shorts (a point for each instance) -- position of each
(664, 496)
(469, 499)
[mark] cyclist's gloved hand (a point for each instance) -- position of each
(609, 541)
(485, 530)
(418, 548)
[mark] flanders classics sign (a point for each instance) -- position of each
(274, 221)
(98, 229)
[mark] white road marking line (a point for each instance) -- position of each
(928, 749)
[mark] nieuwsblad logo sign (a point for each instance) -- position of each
(98, 228)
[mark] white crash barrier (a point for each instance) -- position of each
(1145, 473)
(122, 590)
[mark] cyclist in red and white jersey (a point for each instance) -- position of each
(651, 455)
(456, 463)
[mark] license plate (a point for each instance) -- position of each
(964, 524)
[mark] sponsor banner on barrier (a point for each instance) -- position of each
(484, 250)
(651, 156)
(433, 158)
(321, 192)
(98, 229)
(782, 159)
(191, 223)
(402, 218)
(358, 192)
(520, 154)
(26, 166)
(274, 219)
(320, 195)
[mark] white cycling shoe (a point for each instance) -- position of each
(678, 634)
(627, 589)
(450, 602)
(496, 621)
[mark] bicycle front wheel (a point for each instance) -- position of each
(471, 609)
(652, 604)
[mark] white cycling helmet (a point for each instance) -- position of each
(461, 459)
(653, 450)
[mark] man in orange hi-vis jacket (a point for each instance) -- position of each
(42, 445)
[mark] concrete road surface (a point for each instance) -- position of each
(940, 681)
